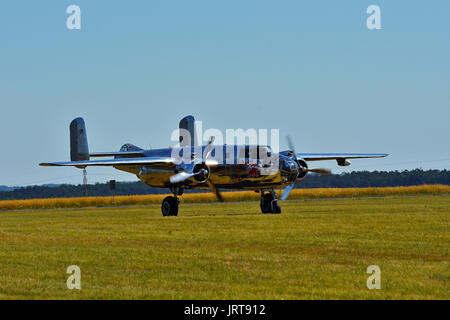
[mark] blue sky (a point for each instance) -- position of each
(309, 68)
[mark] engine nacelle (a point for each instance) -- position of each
(201, 178)
(302, 173)
(155, 177)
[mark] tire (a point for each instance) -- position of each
(265, 203)
(275, 207)
(169, 206)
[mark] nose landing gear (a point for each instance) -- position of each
(269, 203)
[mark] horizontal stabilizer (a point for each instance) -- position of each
(113, 162)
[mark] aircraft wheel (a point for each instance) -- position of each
(275, 206)
(169, 206)
(266, 199)
(269, 204)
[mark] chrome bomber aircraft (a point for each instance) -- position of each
(157, 167)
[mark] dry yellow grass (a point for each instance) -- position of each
(315, 193)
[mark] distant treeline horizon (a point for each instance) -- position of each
(355, 179)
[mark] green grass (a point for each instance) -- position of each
(313, 250)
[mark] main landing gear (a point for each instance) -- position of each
(170, 204)
(269, 202)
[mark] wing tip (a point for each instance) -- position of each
(45, 164)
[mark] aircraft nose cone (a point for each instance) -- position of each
(293, 166)
(289, 170)
(289, 165)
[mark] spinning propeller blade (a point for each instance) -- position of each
(289, 188)
(291, 146)
(208, 149)
(214, 190)
(286, 192)
(320, 171)
(211, 185)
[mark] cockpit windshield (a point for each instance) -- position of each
(125, 147)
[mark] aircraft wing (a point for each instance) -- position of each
(338, 156)
(143, 161)
(114, 162)
(118, 154)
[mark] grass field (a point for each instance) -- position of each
(313, 250)
(314, 193)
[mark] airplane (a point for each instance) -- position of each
(249, 167)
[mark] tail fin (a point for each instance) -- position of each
(187, 132)
(79, 149)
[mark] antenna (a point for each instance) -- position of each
(85, 182)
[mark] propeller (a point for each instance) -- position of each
(289, 188)
(291, 146)
(321, 171)
(286, 192)
(208, 148)
(183, 176)
(213, 188)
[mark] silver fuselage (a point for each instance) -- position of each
(237, 170)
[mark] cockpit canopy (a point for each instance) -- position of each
(129, 147)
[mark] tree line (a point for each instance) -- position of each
(344, 180)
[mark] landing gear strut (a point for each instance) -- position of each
(170, 204)
(269, 202)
